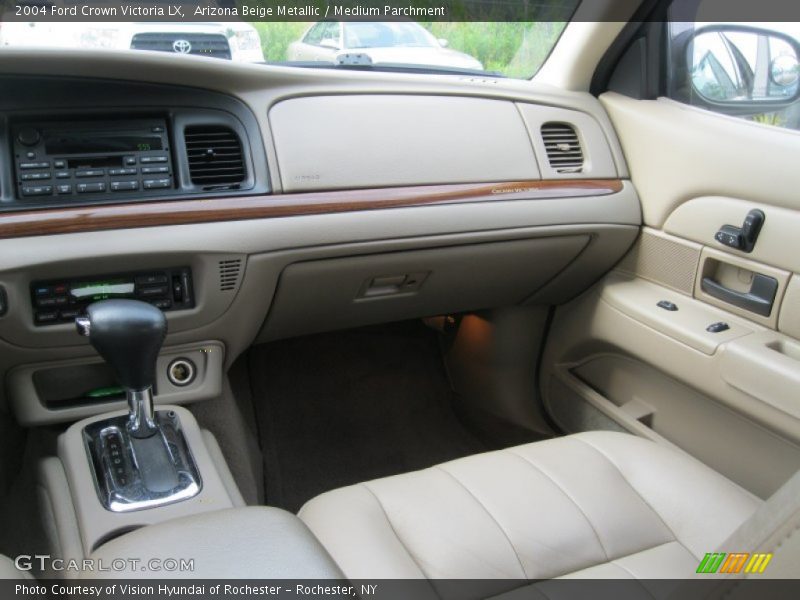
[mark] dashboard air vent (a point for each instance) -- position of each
(563, 148)
(215, 156)
(229, 271)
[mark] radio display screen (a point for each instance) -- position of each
(102, 290)
(87, 144)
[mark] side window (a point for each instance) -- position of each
(748, 71)
(331, 32)
(315, 34)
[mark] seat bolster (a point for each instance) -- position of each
(699, 506)
(351, 523)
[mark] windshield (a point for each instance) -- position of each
(244, 32)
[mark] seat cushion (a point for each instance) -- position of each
(596, 504)
(253, 542)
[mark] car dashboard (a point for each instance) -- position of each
(254, 203)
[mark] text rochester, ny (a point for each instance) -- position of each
(167, 590)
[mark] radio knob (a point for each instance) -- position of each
(28, 136)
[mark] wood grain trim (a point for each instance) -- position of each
(236, 208)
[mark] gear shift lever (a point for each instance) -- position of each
(142, 460)
(128, 334)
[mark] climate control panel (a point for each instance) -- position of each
(61, 300)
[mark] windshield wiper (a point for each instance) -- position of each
(387, 67)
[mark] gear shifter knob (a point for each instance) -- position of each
(128, 335)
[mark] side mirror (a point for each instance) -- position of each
(330, 43)
(443, 42)
(743, 68)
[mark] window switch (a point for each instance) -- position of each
(718, 327)
(667, 305)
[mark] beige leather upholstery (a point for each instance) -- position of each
(774, 528)
(597, 504)
(246, 543)
(9, 571)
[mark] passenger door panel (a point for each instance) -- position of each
(617, 359)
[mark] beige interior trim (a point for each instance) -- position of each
(97, 524)
(31, 409)
(765, 365)
(583, 43)
(778, 244)
(664, 259)
(677, 152)
(639, 299)
(591, 325)
(360, 141)
(789, 319)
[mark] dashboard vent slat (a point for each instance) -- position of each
(563, 147)
(229, 272)
(215, 156)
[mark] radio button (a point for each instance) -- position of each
(149, 292)
(150, 279)
(37, 190)
(64, 188)
(70, 313)
(124, 186)
(62, 174)
(154, 170)
(126, 171)
(89, 173)
(34, 176)
(129, 160)
(91, 188)
(41, 291)
(60, 164)
(43, 302)
(154, 184)
(147, 160)
(162, 304)
(46, 316)
(34, 165)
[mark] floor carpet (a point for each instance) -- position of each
(338, 408)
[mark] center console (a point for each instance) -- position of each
(141, 466)
(146, 484)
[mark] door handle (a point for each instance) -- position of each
(759, 299)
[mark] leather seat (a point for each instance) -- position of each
(591, 505)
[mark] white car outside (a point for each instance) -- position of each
(404, 42)
(235, 41)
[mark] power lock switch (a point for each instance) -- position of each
(667, 305)
(718, 327)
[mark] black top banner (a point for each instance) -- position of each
(388, 10)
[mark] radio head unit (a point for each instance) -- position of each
(114, 159)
